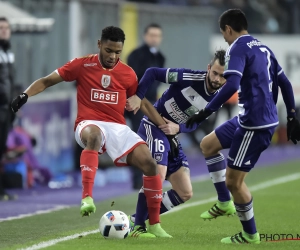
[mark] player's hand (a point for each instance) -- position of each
(133, 103)
(197, 118)
(170, 128)
(293, 129)
(18, 102)
(174, 144)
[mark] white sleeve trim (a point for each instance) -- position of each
(233, 71)
(167, 75)
(56, 71)
(281, 71)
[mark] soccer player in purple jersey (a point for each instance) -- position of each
(189, 92)
(252, 69)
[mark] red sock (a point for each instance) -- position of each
(89, 166)
(153, 193)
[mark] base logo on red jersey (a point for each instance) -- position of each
(98, 95)
(105, 81)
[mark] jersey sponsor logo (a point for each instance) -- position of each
(98, 95)
(198, 102)
(158, 157)
(173, 77)
(89, 64)
(86, 168)
(105, 81)
(175, 112)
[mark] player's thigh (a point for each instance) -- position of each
(226, 131)
(157, 142)
(181, 183)
(247, 146)
(89, 134)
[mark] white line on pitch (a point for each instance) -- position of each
(257, 187)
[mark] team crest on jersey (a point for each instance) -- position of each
(105, 81)
(158, 157)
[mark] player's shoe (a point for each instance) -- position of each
(131, 222)
(157, 230)
(87, 206)
(242, 238)
(140, 232)
(219, 210)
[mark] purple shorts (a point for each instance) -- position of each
(245, 145)
(160, 147)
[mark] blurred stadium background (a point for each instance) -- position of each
(48, 33)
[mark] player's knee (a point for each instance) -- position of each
(232, 185)
(149, 166)
(207, 147)
(186, 195)
(94, 141)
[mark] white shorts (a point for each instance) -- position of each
(118, 140)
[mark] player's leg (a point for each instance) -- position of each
(141, 214)
(245, 150)
(90, 137)
(141, 157)
(211, 145)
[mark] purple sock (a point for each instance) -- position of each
(141, 209)
(217, 169)
(170, 199)
(246, 215)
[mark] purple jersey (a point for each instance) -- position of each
(258, 68)
(186, 96)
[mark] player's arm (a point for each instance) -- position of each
(148, 109)
(41, 84)
(68, 72)
(287, 93)
(151, 75)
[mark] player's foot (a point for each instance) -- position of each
(157, 230)
(242, 238)
(87, 206)
(219, 209)
(140, 232)
(131, 221)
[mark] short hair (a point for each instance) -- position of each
(113, 33)
(235, 18)
(219, 55)
(152, 25)
(3, 19)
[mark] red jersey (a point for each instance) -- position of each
(101, 92)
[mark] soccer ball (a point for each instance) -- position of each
(114, 224)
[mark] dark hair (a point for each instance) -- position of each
(3, 19)
(219, 55)
(152, 25)
(112, 33)
(235, 18)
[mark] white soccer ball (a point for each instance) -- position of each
(114, 224)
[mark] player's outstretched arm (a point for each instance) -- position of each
(36, 87)
(41, 84)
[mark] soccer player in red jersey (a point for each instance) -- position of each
(104, 83)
